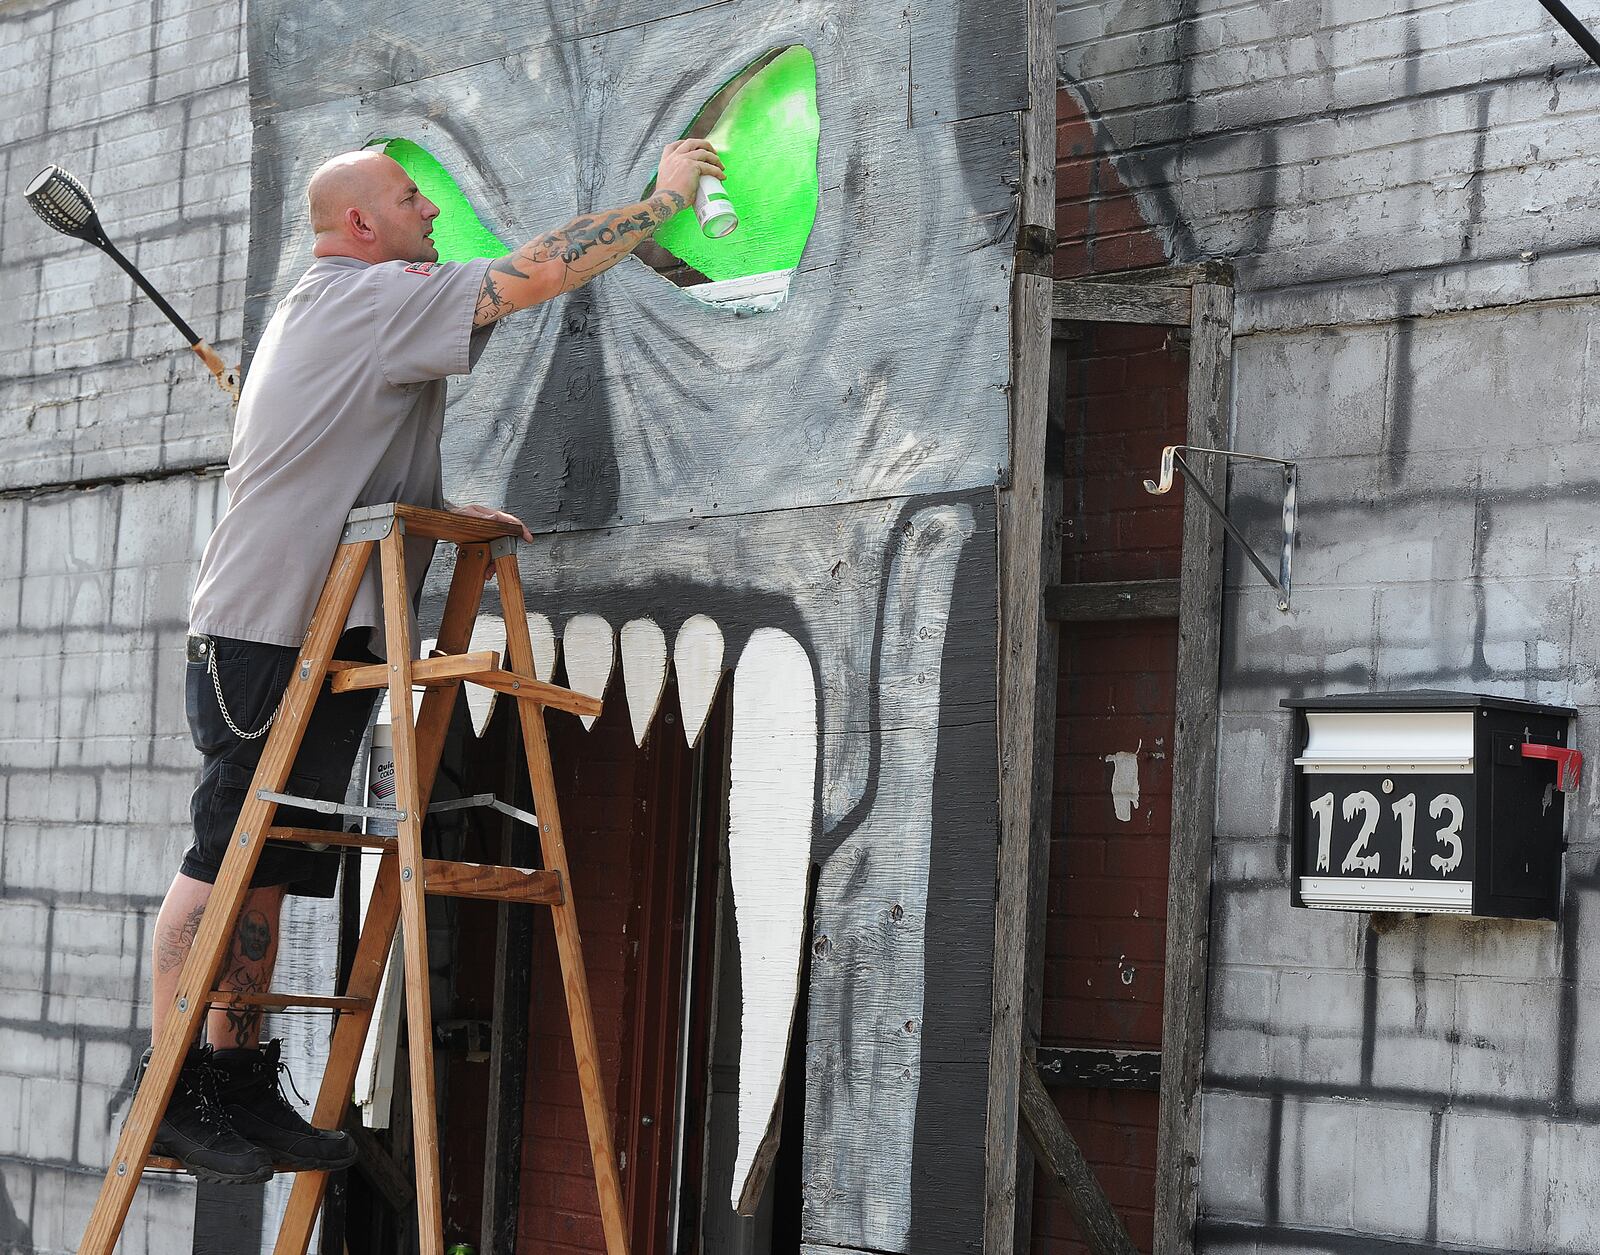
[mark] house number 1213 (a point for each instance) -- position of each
(1366, 805)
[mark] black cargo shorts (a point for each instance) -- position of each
(253, 677)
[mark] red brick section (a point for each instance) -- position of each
(1126, 397)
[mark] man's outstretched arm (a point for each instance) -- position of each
(591, 244)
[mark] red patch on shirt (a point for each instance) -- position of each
(420, 268)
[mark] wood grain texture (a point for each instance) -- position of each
(1027, 711)
(492, 881)
(1194, 780)
(1077, 301)
(1028, 515)
(1105, 602)
(644, 672)
(1102, 1230)
(425, 671)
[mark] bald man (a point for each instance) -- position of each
(343, 407)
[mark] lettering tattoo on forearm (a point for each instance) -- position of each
(587, 246)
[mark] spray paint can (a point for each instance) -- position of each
(380, 778)
(713, 208)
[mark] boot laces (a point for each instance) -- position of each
(202, 1083)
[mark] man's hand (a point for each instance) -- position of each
(683, 162)
(489, 512)
(591, 244)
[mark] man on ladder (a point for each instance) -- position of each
(343, 408)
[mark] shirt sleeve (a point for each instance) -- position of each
(423, 313)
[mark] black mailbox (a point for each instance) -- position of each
(1430, 801)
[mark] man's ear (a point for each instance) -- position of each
(357, 225)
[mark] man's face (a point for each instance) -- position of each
(402, 218)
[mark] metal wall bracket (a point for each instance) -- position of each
(1172, 460)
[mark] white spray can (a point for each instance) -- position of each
(713, 208)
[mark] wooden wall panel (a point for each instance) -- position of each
(827, 469)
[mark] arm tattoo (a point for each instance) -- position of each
(587, 246)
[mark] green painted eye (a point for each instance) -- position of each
(767, 139)
(458, 233)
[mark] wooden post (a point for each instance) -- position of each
(1100, 1226)
(1194, 779)
(1027, 653)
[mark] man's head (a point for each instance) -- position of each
(364, 205)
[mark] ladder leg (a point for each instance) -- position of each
(569, 947)
(199, 973)
(383, 913)
(413, 907)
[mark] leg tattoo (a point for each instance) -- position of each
(174, 940)
(248, 971)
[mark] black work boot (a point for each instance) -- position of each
(253, 1100)
(195, 1132)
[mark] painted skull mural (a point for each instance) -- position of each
(802, 497)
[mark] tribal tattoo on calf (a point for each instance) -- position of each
(574, 245)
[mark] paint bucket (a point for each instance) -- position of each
(714, 208)
(380, 778)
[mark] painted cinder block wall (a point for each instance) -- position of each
(1407, 192)
(111, 434)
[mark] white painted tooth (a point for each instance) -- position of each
(489, 632)
(771, 819)
(697, 658)
(644, 672)
(591, 649)
(544, 645)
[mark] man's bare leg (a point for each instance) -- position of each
(247, 968)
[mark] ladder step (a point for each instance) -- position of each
(272, 1002)
(489, 880)
(316, 836)
(476, 668)
(443, 669)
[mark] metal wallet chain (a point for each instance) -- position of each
(211, 666)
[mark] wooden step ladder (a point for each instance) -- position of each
(404, 875)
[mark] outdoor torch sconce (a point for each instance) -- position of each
(1430, 802)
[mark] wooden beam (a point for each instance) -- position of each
(489, 880)
(1076, 301)
(276, 1002)
(1070, 1067)
(1194, 782)
(441, 669)
(1029, 541)
(1171, 276)
(1106, 602)
(1099, 1226)
(316, 836)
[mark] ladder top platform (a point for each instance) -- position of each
(374, 521)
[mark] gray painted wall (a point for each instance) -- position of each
(1408, 192)
(146, 102)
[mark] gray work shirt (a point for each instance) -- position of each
(343, 407)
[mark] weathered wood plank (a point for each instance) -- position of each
(1102, 602)
(1171, 276)
(877, 378)
(1077, 1068)
(1029, 514)
(1076, 301)
(956, 60)
(1053, 1142)
(1194, 778)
